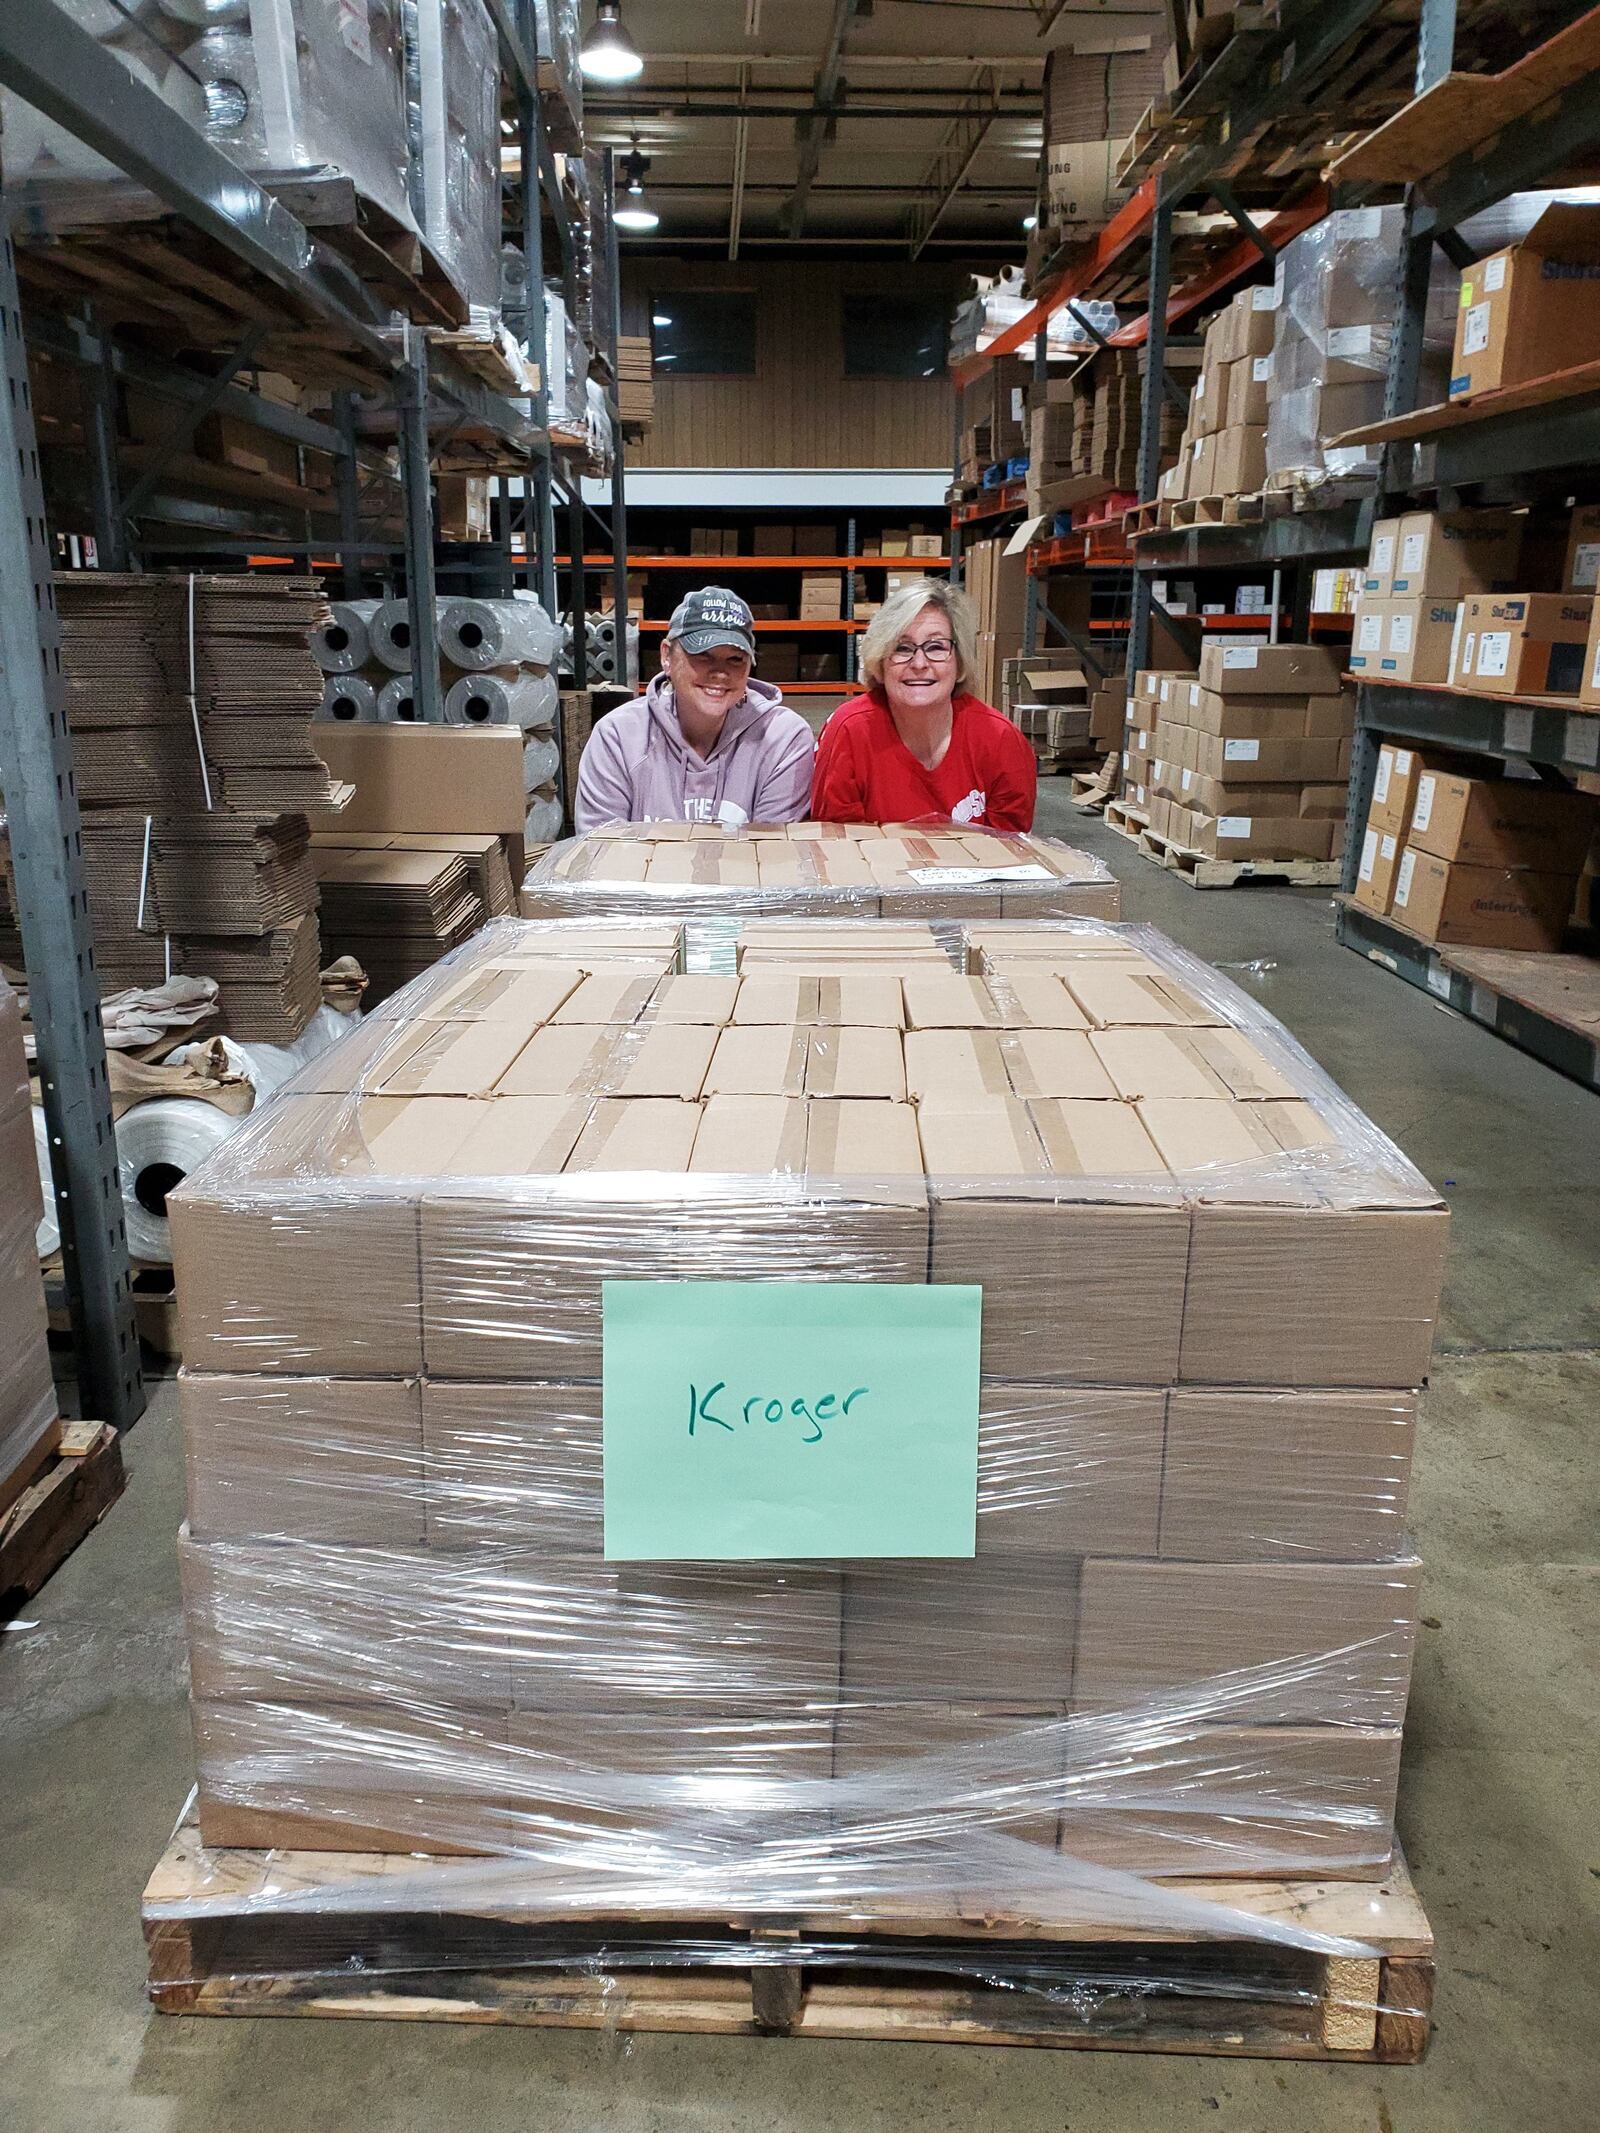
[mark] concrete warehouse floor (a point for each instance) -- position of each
(1498, 1808)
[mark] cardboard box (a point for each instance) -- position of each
(1375, 871)
(1151, 1629)
(1479, 907)
(997, 1629)
(1457, 552)
(1501, 822)
(1260, 836)
(1418, 639)
(1581, 569)
(1248, 382)
(1250, 761)
(1239, 460)
(1014, 1761)
(1269, 670)
(1247, 326)
(1530, 309)
(1377, 579)
(1523, 644)
(1394, 787)
(429, 778)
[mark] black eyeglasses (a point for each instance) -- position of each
(936, 650)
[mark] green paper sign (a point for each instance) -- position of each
(775, 1420)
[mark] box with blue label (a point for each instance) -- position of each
(1532, 308)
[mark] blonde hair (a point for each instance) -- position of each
(901, 609)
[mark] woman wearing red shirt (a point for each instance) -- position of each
(916, 744)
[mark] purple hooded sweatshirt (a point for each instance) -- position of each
(637, 766)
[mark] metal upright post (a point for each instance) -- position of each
(538, 518)
(347, 484)
(578, 589)
(955, 476)
(619, 501)
(411, 386)
(100, 378)
(58, 947)
(1030, 610)
(1151, 395)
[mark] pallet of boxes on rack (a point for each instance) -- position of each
(1244, 764)
(1498, 608)
(1172, 1650)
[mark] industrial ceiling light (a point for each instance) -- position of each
(660, 318)
(608, 53)
(634, 213)
(1030, 222)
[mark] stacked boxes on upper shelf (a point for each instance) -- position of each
(1222, 451)
(1250, 757)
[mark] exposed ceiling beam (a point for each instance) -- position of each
(957, 154)
(880, 101)
(812, 131)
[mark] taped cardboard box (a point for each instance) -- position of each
(1269, 670)
(1523, 644)
(1455, 552)
(1529, 308)
(1501, 822)
(1479, 907)
(1377, 867)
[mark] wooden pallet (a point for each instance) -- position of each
(71, 1493)
(1201, 871)
(927, 1972)
(1129, 822)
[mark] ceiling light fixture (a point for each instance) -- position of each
(660, 318)
(634, 213)
(608, 53)
(1029, 221)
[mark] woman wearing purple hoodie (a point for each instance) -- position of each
(706, 742)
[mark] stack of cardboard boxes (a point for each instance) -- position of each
(1086, 427)
(816, 870)
(1471, 860)
(1183, 1642)
(997, 585)
(29, 1426)
(1223, 450)
(1250, 758)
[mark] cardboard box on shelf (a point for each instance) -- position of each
(1500, 822)
(1377, 578)
(1270, 670)
(1375, 870)
(1523, 644)
(1394, 786)
(1479, 907)
(1457, 552)
(1581, 569)
(1530, 308)
(1248, 381)
(1239, 460)
(1418, 640)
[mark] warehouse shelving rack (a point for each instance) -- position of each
(292, 278)
(1521, 445)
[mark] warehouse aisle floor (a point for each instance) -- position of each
(1498, 1807)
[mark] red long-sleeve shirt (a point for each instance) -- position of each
(866, 773)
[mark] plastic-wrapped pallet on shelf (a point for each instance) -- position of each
(1182, 1645)
(453, 104)
(840, 870)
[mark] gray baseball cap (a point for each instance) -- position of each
(710, 617)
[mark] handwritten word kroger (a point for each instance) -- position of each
(762, 1407)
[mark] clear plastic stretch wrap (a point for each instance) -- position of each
(28, 1422)
(453, 93)
(841, 870)
(1338, 284)
(1182, 1646)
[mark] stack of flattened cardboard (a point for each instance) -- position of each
(1183, 1641)
(944, 871)
(29, 1425)
(191, 700)
(395, 910)
(485, 857)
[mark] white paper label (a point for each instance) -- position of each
(1196, 449)
(1380, 783)
(1166, 687)
(1494, 273)
(1213, 607)
(961, 877)
(1194, 694)
(1381, 560)
(1241, 751)
(1402, 762)
(1144, 741)
(1582, 742)
(1401, 633)
(1264, 299)
(1186, 781)
(1016, 405)
(1233, 826)
(1402, 880)
(1239, 657)
(1369, 856)
(1369, 632)
(1260, 369)
(1386, 845)
(1158, 769)
(1439, 980)
(1475, 330)
(1422, 812)
(355, 29)
(1411, 552)
(1518, 737)
(1586, 566)
(1494, 653)
(1350, 341)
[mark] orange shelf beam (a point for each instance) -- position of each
(766, 562)
(779, 629)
